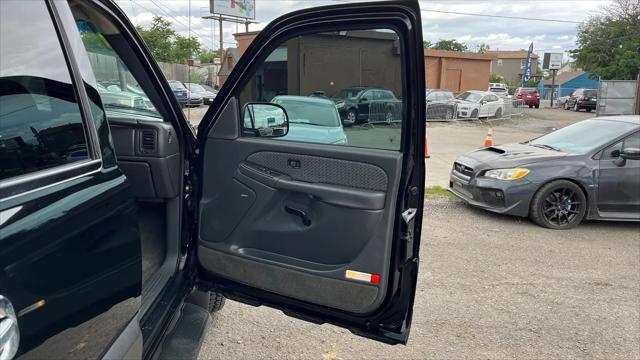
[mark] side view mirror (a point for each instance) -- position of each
(483, 102)
(265, 119)
(364, 99)
(630, 153)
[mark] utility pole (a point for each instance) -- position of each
(553, 84)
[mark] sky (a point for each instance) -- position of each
(498, 33)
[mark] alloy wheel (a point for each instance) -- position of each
(561, 207)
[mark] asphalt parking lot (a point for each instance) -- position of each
(492, 287)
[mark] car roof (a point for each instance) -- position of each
(632, 119)
(311, 99)
(479, 92)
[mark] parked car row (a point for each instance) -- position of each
(191, 94)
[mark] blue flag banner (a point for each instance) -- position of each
(527, 70)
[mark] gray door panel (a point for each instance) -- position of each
(292, 218)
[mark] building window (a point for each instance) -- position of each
(499, 62)
(523, 63)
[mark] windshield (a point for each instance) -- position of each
(196, 88)
(309, 112)
(349, 93)
(528, 90)
(469, 96)
(584, 136)
(498, 90)
(176, 85)
(591, 93)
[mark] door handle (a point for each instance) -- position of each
(303, 215)
(9, 333)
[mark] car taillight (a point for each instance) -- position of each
(519, 94)
(581, 98)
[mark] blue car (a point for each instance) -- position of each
(181, 93)
(312, 119)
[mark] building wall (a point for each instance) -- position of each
(456, 71)
(510, 69)
(568, 87)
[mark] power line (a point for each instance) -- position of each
(501, 16)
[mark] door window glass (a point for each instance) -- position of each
(40, 121)
(118, 88)
(632, 141)
(347, 67)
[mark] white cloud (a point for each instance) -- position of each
(498, 33)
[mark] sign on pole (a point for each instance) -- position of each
(527, 71)
(238, 8)
(552, 61)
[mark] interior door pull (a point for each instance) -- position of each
(303, 215)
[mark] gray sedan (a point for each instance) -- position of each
(588, 170)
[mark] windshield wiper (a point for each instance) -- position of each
(545, 146)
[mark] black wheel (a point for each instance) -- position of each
(388, 116)
(588, 109)
(448, 115)
(576, 107)
(352, 117)
(530, 106)
(558, 205)
(210, 300)
(498, 113)
(566, 105)
(474, 114)
(537, 106)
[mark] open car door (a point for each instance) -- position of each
(296, 211)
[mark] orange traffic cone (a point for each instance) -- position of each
(489, 140)
(426, 149)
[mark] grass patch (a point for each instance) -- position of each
(438, 192)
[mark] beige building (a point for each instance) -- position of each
(457, 71)
(511, 65)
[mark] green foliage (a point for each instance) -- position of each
(449, 45)
(196, 77)
(483, 48)
(166, 45)
(495, 78)
(206, 57)
(609, 43)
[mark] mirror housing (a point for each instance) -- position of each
(363, 99)
(630, 153)
(483, 102)
(264, 119)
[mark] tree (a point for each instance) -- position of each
(159, 39)
(166, 45)
(483, 48)
(609, 43)
(450, 45)
(495, 78)
(185, 48)
(206, 57)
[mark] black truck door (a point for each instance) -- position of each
(70, 265)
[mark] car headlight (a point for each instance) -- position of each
(507, 174)
(340, 105)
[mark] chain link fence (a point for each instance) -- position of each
(451, 111)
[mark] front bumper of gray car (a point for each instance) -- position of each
(499, 196)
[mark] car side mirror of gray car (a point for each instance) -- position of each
(630, 153)
(364, 100)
